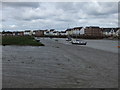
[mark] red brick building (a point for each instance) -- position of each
(93, 31)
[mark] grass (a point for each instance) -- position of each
(20, 40)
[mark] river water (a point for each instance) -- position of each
(106, 45)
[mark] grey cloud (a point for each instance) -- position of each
(66, 6)
(59, 15)
(30, 18)
(3, 20)
(21, 4)
(64, 20)
(102, 8)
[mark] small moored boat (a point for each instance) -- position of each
(79, 42)
(69, 39)
(36, 39)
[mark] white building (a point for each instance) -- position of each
(82, 31)
(76, 30)
(46, 32)
(69, 31)
(27, 32)
(51, 32)
(63, 33)
(109, 31)
(55, 33)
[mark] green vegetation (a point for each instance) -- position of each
(20, 40)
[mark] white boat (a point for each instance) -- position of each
(69, 38)
(79, 42)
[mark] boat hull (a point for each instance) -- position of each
(80, 43)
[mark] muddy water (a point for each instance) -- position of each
(58, 65)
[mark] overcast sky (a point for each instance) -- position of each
(58, 15)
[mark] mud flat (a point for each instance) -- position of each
(58, 65)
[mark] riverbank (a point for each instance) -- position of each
(20, 41)
(60, 65)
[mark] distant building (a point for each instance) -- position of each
(18, 33)
(93, 31)
(63, 33)
(76, 31)
(69, 31)
(7, 33)
(33, 33)
(88, 31)
(106, 31)
(51, 32)
(46, 32)
(82, 31)
(27, 32)
(38, 33)
(109, 31)
(55, 33)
